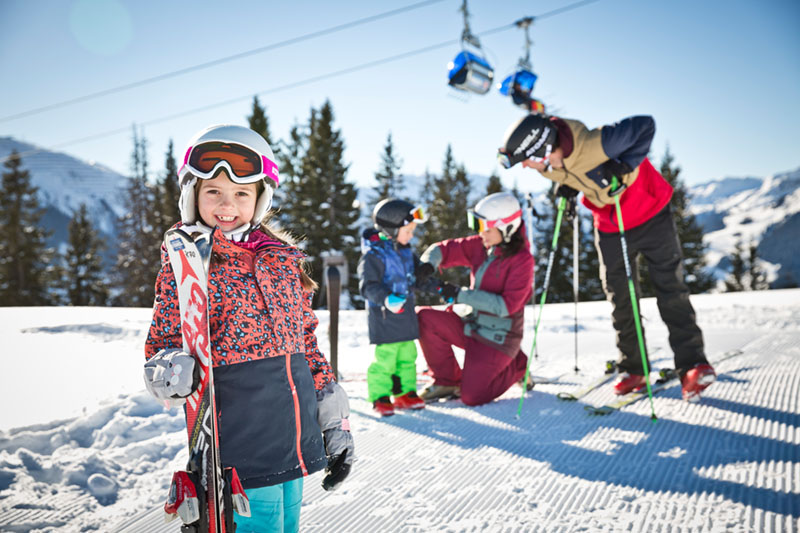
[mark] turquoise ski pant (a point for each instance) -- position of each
(273, 509)
(395, 358)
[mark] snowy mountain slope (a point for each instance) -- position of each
(65, 183)
(95, 453)
(750, 210)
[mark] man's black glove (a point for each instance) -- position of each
(565, 191)
(616, 168)
(423, 272)
(571, 196)
(448, 292)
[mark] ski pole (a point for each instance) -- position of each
(575, 238)
(634, 304)
(561, 205)
(530, 214)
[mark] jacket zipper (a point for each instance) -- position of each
(296, 401)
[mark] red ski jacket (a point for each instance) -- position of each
(641, 201)
(267, 365)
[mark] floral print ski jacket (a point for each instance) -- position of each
(267, 365)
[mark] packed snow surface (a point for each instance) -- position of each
(84, 448)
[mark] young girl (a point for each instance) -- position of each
(502, 272)
(388, 273)
(282, 415)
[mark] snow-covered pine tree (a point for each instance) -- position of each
(84, 277)
(560, 289)
(494, 185)
(321, 201)
(736, 281)
(448, 211)
(139, 253)
(166, 194)
(259, 123)
(389, 183)
(758, 278)
(27, 272)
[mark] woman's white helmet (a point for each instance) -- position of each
(500, 210)
(251, 161)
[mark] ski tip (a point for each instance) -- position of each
(567, 397)
(599, 411)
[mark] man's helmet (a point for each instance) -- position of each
(533, 136)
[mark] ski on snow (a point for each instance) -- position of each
(611, 371)
(666, 379)
(204, 496)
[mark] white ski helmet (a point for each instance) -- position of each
(243, 153)
(500, 210)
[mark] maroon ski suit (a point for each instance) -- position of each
(491, 335)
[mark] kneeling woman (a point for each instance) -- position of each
(501, 268)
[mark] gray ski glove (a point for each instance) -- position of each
(333, 410)
(171, 375)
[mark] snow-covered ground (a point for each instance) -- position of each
(84, 448)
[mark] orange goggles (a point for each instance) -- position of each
(418, 214)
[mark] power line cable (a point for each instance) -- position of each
(160, 77)
(295, 84)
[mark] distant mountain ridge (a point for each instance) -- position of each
(761, 210)
(64, 183)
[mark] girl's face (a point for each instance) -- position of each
(406, 233)
(224, 203)
(491, 237)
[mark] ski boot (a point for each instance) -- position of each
(629, 383)
(695, 380)
(410, 400)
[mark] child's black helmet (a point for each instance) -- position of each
(532, 136)
(390, 215)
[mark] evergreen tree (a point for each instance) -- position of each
(560, 288)
(690, 233)
(84, 277)
(287, 200)
(448, 211)
(758, 278)
(138, 258)
(26, 269)
(735, 281)
(389, 182)
(494, 185)
(166, 194)
(259, 123)
(322, 202)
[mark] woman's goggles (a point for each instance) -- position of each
(479, 224)
(244, 165)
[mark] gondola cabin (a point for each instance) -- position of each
(469, 71)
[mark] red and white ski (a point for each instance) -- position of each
(217, 493)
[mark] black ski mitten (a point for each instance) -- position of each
(333, 410)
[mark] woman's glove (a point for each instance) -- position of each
(448, 292)
(395, 303)
(171, 375)
(333, 410)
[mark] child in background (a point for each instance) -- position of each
(263, 345)
(388, 273)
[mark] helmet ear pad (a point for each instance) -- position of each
(188, 199)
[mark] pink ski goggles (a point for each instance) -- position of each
(244, 165)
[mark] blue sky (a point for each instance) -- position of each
(721, 78)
